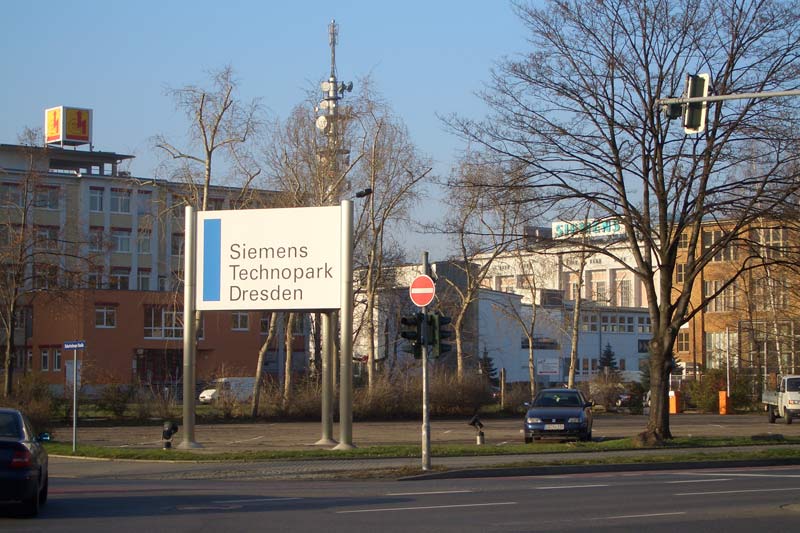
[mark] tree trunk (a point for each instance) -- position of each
(287, 374)
(660, 368)
(260, 366)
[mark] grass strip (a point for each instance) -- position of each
(782, 444)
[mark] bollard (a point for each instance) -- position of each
(479, 439)
(723, 402)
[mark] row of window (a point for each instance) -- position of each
(587, 363)
(50, 359)
(167, 323)
(622, 297)
(615, 323)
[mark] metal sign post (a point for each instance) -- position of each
(74, 346)
(422, 292)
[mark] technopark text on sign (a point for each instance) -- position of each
(270, 259)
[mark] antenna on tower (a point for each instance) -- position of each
(333, 32)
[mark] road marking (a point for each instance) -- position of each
(426, 507)
(426, 493)
(699, 480)
(501, 443)
(570, 487)
(446, 432)
(758, 475)
(638, 515)
(743, 491)
(256, 500)
(140, 443)
(245, 440)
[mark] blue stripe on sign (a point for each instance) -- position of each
(212, 251)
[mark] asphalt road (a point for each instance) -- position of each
(729, 500)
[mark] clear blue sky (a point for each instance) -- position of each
(117, 58)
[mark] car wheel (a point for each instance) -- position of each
(528, 439)
(587, 437)
(43, 492)
(771, 414)
(787, 417)
(30, 505)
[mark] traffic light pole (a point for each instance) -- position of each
(426, 423)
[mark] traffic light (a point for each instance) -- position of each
(411, 330)
(440, 332)
(694, 113)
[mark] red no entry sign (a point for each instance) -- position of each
(422, 291)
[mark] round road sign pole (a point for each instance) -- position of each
(426, 423)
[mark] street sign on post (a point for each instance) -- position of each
(74, 346)
(422, 291)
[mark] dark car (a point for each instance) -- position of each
(563, 413)
(23, 462)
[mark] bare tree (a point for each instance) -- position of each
(580, 112)
(37, 261)
(482, 226)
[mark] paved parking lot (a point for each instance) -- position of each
(498, 432)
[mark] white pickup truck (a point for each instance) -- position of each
(784, 402)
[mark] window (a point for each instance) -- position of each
(683, 341)
(46, 198)
(45, 276)
(96, 199)
(727, 300)
(56, 360)
(769, 292)
(120, 201)
(143, 240)
(176, 246)
(629, 325)
(105, 316)
(621, 364)
(574, 292)
(600, 292)
(94, 278)
(121, 240)
(119, 279)
(215, 204)
(143, 279)
(144, 200)
(643, 345)
(712, 240)
(683, 241)
(178, 208)
(45, 357)
(773, 241)
(29, 360)
(625, 295)
(643, 325)
(96, 239)
(10, 195)
(589, 322)
(240, 320)
(163, 323)
(47, 237)
(680, 272)
(584, 366)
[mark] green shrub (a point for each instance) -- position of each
(115, 399)
(33, 397)
(704, 392)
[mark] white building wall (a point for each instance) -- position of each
(502, 337)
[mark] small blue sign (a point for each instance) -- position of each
(212, 251)
(74, 345)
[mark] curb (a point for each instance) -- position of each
(592, 469)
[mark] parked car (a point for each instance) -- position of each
(563, 413)
(239, 389)
(23, 462)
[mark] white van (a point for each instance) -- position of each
(239, 389)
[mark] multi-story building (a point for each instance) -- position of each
(101, 255)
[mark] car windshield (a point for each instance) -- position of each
(557, 399)
(9, 426)
(793, 385)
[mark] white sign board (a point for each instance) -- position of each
(271, 259)
(547, 367)
(593, 227)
